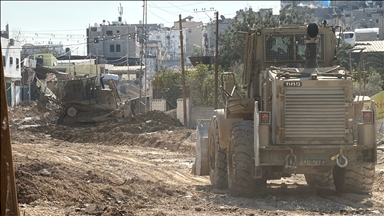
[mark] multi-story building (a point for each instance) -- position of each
(12, 71)
(193, 34)
(115, 42)
(170, 40)
(362, 18)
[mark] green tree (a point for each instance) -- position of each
(342, 54)
(201, 82)
(376, 61)
(169, 84)
(371, 84)
(197, 51)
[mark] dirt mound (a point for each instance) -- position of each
(152, 129)
(40, 181)
(172, 113)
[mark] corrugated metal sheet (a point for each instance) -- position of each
(370, 46)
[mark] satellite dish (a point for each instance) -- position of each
(222, 17)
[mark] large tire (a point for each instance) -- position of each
(354, 178)
(320, 179)
(217, 158)
(241, 162)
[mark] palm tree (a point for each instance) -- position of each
(376, 61)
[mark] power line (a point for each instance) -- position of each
(53, 30)
(179, 8)
(184, 5)
(169, 12)
(159, 17)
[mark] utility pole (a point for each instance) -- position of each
(128, 53)
(146, 56)
(217, 61)
(182, 72)
(29, 82)
(8, 192)
(141, 56)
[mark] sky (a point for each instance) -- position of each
(66, 21)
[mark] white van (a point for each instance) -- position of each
(348, 37)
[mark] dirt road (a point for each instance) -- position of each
(143, 167)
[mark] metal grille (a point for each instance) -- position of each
(317, 114)
(279, 48)
(300, 47)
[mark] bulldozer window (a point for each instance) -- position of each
(283, 48)
(279, 48)
(300, 47)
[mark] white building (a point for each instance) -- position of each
(170, 40)
(12, 71)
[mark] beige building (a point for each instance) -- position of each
(193, 34)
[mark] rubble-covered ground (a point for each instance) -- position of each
(142, 166)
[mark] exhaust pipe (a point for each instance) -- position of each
(311, 48)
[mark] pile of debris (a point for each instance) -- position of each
(117, 131)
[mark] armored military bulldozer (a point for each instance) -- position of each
(84, 102)
(299, 116)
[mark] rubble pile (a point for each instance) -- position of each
(133, 130)
(139, 130)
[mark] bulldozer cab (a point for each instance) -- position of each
(284, 47)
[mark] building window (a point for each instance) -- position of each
(369, 15)
(96, 40)
(4, 62)
(118, 49)
(111, 48)
(118, 31)
(17, 63)
(189, 30)
(377, 20)
(10, 60)
(109, 33)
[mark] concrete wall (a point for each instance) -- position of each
(200, 112)
(159, 104)
(193, 113)
(180, 110)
